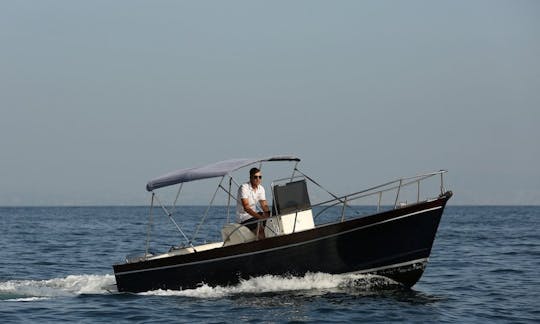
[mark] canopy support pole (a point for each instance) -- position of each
(229, 201)
(173, 221)
(294, 170)
(176, 199)
(150, 220)
(207, 209)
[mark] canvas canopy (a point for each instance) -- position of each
(217, 169)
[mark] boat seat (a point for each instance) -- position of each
(235, 234)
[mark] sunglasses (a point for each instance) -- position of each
(257, 177)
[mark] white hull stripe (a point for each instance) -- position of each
(277, 248)
(396, 265)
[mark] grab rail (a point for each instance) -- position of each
(345, 200)
(379, 190)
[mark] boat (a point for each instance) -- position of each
(393, 239)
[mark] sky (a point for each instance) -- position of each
(98, 97)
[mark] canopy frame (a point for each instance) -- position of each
(345, 201)
(214, 170)
(221, 169)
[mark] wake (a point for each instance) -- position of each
(76, 285)
(311, 282)
(72, 285)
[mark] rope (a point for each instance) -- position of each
(331, 194)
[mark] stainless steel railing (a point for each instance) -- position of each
(394, 185)
(397, 186)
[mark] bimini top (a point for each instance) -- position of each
(217, 169)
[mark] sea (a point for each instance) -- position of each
(56, 266)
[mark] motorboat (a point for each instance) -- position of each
(393, 239)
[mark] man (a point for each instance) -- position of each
(249, 195)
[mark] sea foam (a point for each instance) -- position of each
(275, 284)
(72, 285)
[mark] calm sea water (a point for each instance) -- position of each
(56, 262)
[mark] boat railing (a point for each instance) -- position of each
(346, 201)
(378, 191)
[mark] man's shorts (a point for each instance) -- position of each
(253, 226)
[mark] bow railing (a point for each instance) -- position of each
(378, 191)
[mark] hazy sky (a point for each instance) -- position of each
(97, 97)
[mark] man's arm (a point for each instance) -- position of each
(245, 204)
(265, 208)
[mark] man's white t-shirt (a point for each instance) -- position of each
(253, 196)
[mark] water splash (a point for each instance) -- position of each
(72, 285)
(273, 284)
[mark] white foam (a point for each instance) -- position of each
(269, 284)
(31, 290)
(28, 299)
(74, 285)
